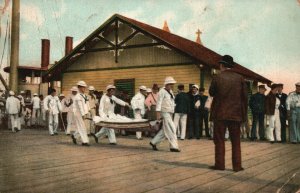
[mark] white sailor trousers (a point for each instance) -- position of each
(274, 124)
(109, 132)
(36, 113)
(80, 128)
(14, 121)
(71, 122)
(168, 131)
(138, 115)
(180, 124)
(53, 123)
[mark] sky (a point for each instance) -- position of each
(262, 35)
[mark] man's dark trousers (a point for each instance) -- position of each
(219, 140)
(260, 117)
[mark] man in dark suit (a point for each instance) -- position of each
(229, 110)
(283, 111)
(203, 113)
(194, 113)
(257, 106)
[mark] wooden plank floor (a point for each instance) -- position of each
(33, 161)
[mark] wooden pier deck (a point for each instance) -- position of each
(33, 161)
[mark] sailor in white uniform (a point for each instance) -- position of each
(165, 109)
(81, 110)
(13, 109)
(138, 106)
(106, 108)
(52, 106)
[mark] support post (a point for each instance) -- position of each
(14, 57)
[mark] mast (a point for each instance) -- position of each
(14, 57)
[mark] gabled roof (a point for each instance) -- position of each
(196, 51)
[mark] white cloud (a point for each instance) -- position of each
(31, 13)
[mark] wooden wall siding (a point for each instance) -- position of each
(129, 57)
(184, 74)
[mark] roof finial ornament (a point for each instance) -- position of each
(166, 27)
(198, 40)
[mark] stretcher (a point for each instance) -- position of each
(144, 125)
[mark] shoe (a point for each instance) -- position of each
(174, 150)
(153, 147)
(238, 170)
(55, 133)
(52, 134)
(139, 138)
(85, 144)
(215, 168)
(294, 142)
(16, 129)
(182, 139)
(74, 139)
(272, 142)
(112, 143)
(95, 137)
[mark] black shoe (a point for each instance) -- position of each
(294, 142)
(182, 139)
(55, 133)
(85, 144)
(95, 137)
(215, 168)
(140, 138)
(153, 147)
(174, 150)
(112, 143)
(16, 129)
(74, 139)
(52, 134)
(238, 170)
(272, 142)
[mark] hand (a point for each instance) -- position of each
(127, 105)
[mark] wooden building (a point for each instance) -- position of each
(129, 53)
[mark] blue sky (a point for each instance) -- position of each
(262, 35)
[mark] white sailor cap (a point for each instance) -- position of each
(149, 90)
(35, 94)
(196, 86)
(170, 80)
(11, 93)
(22, 92)
(81, 83)
(19, 96)
(297, 84)
(74, 88)
(143, 88)
(110, 87)
(91, 88)
(61, 95)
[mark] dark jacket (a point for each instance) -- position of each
(182, 102)
(282, 107)
(193, 100)
(257, 103)
(203, 100)
(230, 97)
(270, 104)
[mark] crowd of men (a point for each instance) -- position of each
(220, 115)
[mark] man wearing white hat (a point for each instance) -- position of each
(52, 106)
(138, 106)
(93, 103)
(36, 109)
(69, 104)
(106, 108)
(81, 110)
(165, 108)
(293, 108)
(13, 109)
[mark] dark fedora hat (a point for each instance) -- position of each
(227, 61)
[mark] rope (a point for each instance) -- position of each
(5, 39)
